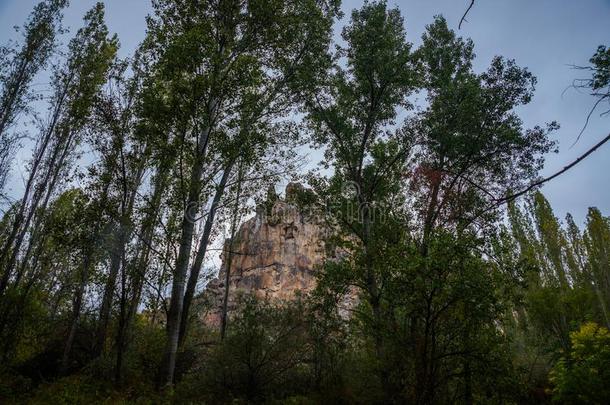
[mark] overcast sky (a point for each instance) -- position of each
(547, 36)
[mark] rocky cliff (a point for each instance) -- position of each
(273, 255)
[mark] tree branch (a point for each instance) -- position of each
(547, 179)
(465, 14)
(503, 200)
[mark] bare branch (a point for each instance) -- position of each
(465, 14)
(589, 117)
(506, 199)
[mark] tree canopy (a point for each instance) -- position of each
(462, 285)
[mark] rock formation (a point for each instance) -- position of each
(275, 254)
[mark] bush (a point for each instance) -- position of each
(263, 356)
(583, 374)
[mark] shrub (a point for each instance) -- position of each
(582, 375)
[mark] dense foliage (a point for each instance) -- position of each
(142, 165)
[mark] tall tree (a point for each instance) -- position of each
(228, 250)
(155, 126)
(597, 242)
(126, 157)
(465, 147)
(353, 113)
(18, 67)
(224, 56)
(75, 84)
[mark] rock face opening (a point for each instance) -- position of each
(275, 254)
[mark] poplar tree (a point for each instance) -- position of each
(407, 198)
(18, 67)
(225, 57)
(597, 243)
(75, 84)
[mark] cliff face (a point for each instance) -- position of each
(274, 254)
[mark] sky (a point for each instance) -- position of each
(546, 36)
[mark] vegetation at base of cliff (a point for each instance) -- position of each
(449, 278)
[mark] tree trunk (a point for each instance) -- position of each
(117, 260)
(234, 223)
(186, 239)
(76, 311)
(373, 293)
(138, 270)
(121, 338)
(9, 251)
(178, 284)
(115, 264)
(51, 179)
(201, 252)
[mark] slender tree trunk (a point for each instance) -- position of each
(122, 330)
(178, 284)
(186, 240)
(234, 223)
(117, 260)
(88, 263)
(468, 399)
(158, 296)
(201, 252)
(9, 251)
(373, 292)
(76, 311)
(51, 181)
(430, 217)
(138, 270)
(115, 265)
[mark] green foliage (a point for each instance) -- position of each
(436, 312)
(19, 64)
(470, 115)
(601, 63)
(72, 390)
(91, 54)
(598, 83)
(566, 284)
(426, 296)
(581, 376)
(562, 275)
(304, 198)
(261, 357)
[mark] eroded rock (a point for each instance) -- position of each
(275, 254)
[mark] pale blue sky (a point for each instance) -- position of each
(545, 35)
